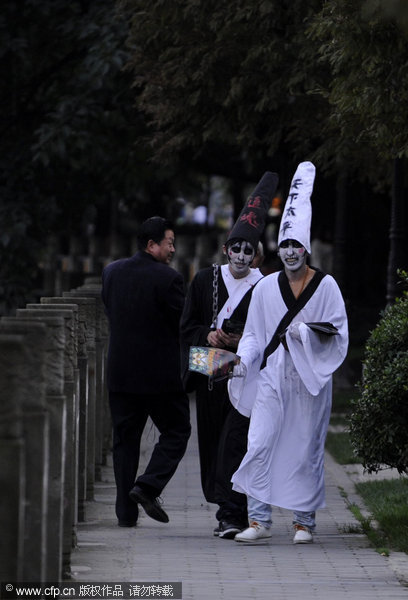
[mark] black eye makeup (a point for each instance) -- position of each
(237, 249)
(294, 243)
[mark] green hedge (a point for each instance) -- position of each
(379, 418)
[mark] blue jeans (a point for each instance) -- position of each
(262, 513)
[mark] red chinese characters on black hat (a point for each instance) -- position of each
(251, 222)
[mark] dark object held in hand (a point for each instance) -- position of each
(230, 326)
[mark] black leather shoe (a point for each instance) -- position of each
(126, 523)
(228, 531)
(151, 505)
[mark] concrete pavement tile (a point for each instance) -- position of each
(339, 564)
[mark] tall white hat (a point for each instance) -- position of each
(297, 215)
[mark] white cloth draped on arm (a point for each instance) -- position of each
(316, 356)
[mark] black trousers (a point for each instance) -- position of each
(222, 443)
(171, 415)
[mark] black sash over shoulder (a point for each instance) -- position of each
(294, 306)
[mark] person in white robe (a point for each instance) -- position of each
(286, 390)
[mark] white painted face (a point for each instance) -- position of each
(292, 254)
(240, 254)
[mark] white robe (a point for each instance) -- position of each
(289, 401)
(236, 288)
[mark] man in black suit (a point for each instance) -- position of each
(144, 299)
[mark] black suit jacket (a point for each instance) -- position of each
(143, 301)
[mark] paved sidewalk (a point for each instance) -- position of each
(339, 565)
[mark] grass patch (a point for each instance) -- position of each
(377, 538)
(338, 443)
(339, 421)
(339, 446)
(387, 500)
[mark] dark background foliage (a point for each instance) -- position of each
(110, 112)
(378, 423)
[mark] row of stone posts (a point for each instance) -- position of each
(54, 429)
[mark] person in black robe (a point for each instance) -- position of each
(214, 315)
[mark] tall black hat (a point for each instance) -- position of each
(251, 222)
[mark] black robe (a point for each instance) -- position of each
(197, 318)
(222, 431)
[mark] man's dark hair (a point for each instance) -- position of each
(152, 229)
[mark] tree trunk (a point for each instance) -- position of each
(339, 243)
(397, 230)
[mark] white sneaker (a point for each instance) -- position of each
(254, 532)
(303, 535)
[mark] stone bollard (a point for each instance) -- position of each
(88, 430)
(38, 344)
(86, 358)
(64, 442)
(12, 461)
(93, 285)
(102, 413)
(24, 474)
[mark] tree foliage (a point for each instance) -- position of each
(211, 74)
(226, 87)
(364, 43)
(68, 126)
(379, 421)
(327, 80)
